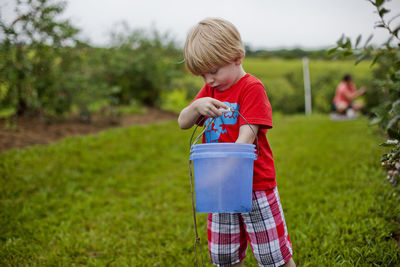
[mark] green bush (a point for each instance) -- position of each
(31, 51)
(386, 82)
(142, 65)
(44, 69)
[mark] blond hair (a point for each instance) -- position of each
(211, 43)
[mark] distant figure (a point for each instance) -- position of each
(345, 94)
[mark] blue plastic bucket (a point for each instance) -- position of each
(223, 177)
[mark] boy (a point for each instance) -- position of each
(214, 50)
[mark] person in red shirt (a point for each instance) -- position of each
(214, 50)
(345, 94)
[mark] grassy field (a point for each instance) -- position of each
(283, 80)
(270, 69)
(122, 198)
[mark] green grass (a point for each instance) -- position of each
(122, 198)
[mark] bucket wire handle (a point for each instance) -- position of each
(197, 239)
(202, 132)
(211, 121)
(258, 147)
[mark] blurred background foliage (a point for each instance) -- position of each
(46, 70)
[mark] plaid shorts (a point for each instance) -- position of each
(264, 227)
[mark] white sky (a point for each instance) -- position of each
(269, 24)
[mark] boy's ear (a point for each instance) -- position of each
(238, 61)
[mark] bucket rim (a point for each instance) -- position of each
(233, 146)
(223, 144)
(230, 154)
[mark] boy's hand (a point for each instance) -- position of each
(209, 107)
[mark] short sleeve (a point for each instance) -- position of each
(255, 106)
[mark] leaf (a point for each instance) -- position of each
(393, 122)
(380, 25)
(348, 43)
(375, 121)
(358, 40)
(383, 11)
(396, 31)
(379, 111)
(378, 3)
(361, 58)
(368, 40)
(340, 41)
(395, 108)
(332, 50)
(375, 59)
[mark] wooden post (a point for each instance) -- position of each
(307, 86)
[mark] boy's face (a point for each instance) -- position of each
(223, 77)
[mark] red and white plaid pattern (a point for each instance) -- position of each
(264, 227)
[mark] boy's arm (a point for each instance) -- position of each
(205, 106)
(246, 135)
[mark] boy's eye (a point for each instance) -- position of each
(214, 71)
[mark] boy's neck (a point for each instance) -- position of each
(241, 73)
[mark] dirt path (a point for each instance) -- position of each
(27, 132)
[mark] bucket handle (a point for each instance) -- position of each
(211, 121)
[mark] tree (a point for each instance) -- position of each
(30, 47)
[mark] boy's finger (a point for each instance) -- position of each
(216, 111)
(220, 104)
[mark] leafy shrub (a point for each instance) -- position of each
(184, 89)
(142, 65)
(386, 84)
(46, 70)
(31, 54)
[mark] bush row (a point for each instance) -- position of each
(45, 69)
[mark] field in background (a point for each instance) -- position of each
(271, 69)
(283, 79)
(122, 197)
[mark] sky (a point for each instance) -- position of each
(307, 24)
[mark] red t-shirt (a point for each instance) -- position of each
(343, 89)
(249, 97)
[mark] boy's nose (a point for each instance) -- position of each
(208, 79)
